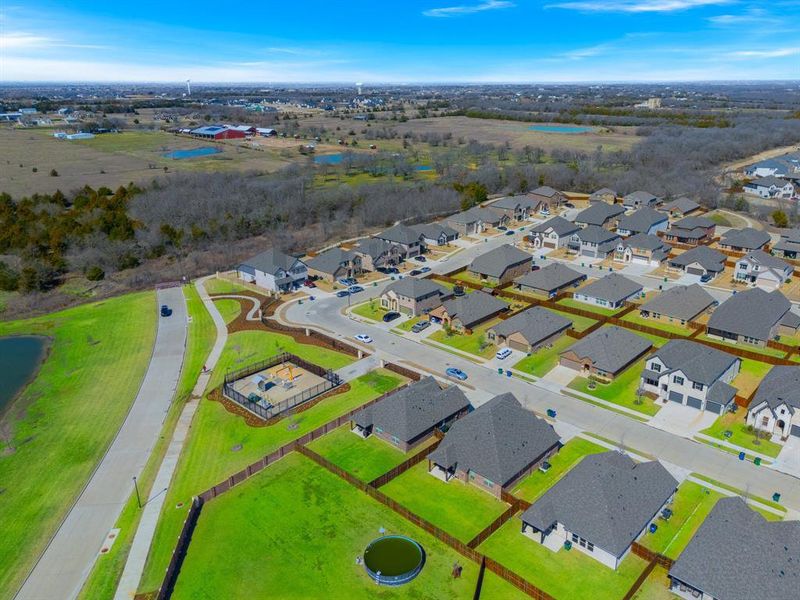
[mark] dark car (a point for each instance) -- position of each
(420, 259)
(569, 205)
(502, 227)
(415, 272)
(390, 316)
(420, 326)
(535, 267)
(425, 270)
(309, 283)
(509, 232)
(705, 278)
(342, 294)
(165, 310)
(388, 270)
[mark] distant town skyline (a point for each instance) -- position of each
(431, 41)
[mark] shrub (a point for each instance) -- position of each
(53, 173)
(95, 273)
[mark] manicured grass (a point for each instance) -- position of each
(474, 343)
(496, 588)
(621, 391)
(719, 219)
(590, 307)
(655, 587)
(467, 276)
(579, 323)
(562, 574)
(229, 309)
(675, 327)
(408, 324)
(370, 310)
(294, 531)
(739, 492)
(364, 458)
(751, 373)
(67, 417)
(757, 349)
(537, 483)
(690, 507)
(735, 423)
(223, 286)
(221, 444)
(543, 360)
(460, 509)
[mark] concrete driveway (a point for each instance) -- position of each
(682, 420)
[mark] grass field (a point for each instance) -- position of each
(590, 307)
(676, 328)
(751, 373)
(294, 531)
(229, 309)
(460, 509)
(758, 349)
(655, 587)
(370, 310)
(621, 391)
(579, 323)
(734, 422)
(223, 286)
(496, 588)
(409, 323)
(475, 343)
(770, 516)
(543, 360)
(364, 458)
(67, 417)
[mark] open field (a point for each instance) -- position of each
(571, 302)
(621, 391)
(675, 327)
(294, 531)
(67, 417)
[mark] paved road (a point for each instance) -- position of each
(68, 559)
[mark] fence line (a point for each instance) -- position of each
(648, 554)
(412, 375)
(484, 534)
(517, 581)
(640, 580)
(404, 466)
(479, 583)
(179, 552)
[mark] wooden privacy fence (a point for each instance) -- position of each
(517, 581)
(648, 554)
(404, 466)
(408, 373)
(179, 552)
(484, 534)
(321, 338)
(640, 580)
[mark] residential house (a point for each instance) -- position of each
(436, 234)
(502, 264)
(744, 240)
(753, 317)
(333, 264)
(468, 311)
(789, 244)
(601, 506)
(547, 196)
(775, 407)
(692, 374)
(516, 208)
(770, 187)
(593, 242)
(529, 330)
(639, 199)
(737, 554)
(273, 270)
(644, 220)
(691, 231)
(643, 249)
(408, 416)
(679, 304)
(378, 254)
(699, 261)
(781, 166)
(605, 353)
(681, 207)
(763, 270)
(466, 223)
(604, 195)
(549, 280)
(553, 233)
(412, 296)
(611, 291)
(409, 240)
(600, 214)
(494, 446)
(491, 218)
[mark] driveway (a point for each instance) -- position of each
(789, 458)
(561, 375)
(682, 420)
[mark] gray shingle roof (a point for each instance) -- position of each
(781, 384)
(271, 261)
(645, 241)
(496, 262)
(767, 260)
(534, 324)
(464, 217)
(552, 277)
(598, 195)
(641, 220)
(411, 287)
(413, 410)
(747, 238)
(752, 313)
(559, 224)
(680, 302)
(612, 288)
(682, 205)
(474, 307)
(597, 235)
(768, 181)
(721, 393)
(433, 231)
(399, 234)
(330, 260)
(737, 554)
(373, 247)
(610, 348)
(608, 499)
(511, 202)
(496, 441)
(699, 362)
(545, 191)
(693, 222)
(708, 258)
(638, 196)
(598, 213)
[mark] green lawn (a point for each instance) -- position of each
(460, 509)
(67, 417)
(655, 587)
(409, 323)
(467, 276)
(537, 483)
(751, 372)
(768, 515)
(758, 349)
(370, 310)
(562, 574)
(621, 391)
(474, 343)
(675, 327)
(734, 422)
(496, 588)
(364, 458)
(543, 360)
(229, 309)
(590, 307)
(690, 507)
(220, 444)
(223, 286)
(579, 323)
(294, 531)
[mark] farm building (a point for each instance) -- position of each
(217, 132)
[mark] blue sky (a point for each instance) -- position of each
(404, 41)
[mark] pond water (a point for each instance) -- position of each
(393, 559)
(561, 128)
(423, 168)
(193, 153)
(328, 159)
(19, 360)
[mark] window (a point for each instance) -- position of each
(677, 380)
(655, 367)
(590, 546)
(378, 429)
(488, 483)
(575, 538)
(697, 386)
(765, 421)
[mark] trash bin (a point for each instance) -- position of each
(551, 413)
(741, 455)
(776, 497)
(653, 527)
(508, 373)
(757, 460)
(499, 370)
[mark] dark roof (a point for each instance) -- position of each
(399, 234)
(552, 277)
(559, 224)
(433, 231)
(271, 261)
(698, 362)
(768, 181)
(511, 202)
(414, 409)
(647, 241)
(780, 385)
(411, 287)
(597, 235)
(474, 307)
(641, 220)
(721, 393)
(496, 262)
(599, 212)
(330, 260)
(682, 205)
(545, 191)
(680, 302)
(747, 238)
(767, 260)
(608, 499)
(737, 554)
(708, 258)
(465, 217)
(534, 324)
(693, 222)
(598, 195)
(613, 288)
(640, 196)
(496, 441)
(610, 348)
(373, 247)
(752, 313)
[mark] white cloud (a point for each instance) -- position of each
(20, 39)
(758, 54)
(636, 6)
(453, 11)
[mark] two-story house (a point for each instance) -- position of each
(273, 270)
(409, 240)
(335, 263)
(412, 296)
(770, 187)
(378, 254)
(600, 214)
(593, 242)
(644, 220)
(553, 233)
(775, 408)
(643, 249)
(763, 270)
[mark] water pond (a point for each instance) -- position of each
(19, 359)
(561, 128)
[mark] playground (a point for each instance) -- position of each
(273, 385)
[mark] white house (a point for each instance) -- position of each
(775, 408)
(763, 270)
(553, 233)
(273, 270)
(610, 291)
(593, 241)
(770, 187)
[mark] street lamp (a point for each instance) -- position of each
(136, 487)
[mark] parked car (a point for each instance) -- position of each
(509, 232)
(535, 267)
(420, 326)
(309, 283)
(342, 294)
(503, 353)
(420, 258)
(354, 289)
(415, 272)
(364, 338)
(457, 373)
(425, 270)
(165, 310)
(390, 316)
(502, 227)
(388, 270)
(705, 278)
(569, 205)
(348, 281)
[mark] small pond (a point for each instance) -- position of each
(193, 153)
(20, 358)
(393, 559)
(328, 159)
(561, 128)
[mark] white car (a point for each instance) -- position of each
(364, 338)
(503, 354)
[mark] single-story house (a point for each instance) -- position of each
(376, 254)
(770, 187)
(606, 352)
(753, 317)
(691, 230)
(494, 446)
(604, 195)
(699, 261)
(680, 208)
(692, 374)
(529, 329)
(789, 244)
(611, 291)
(436, 234)
(516, 208)
(644, 220)
(334, 264)
(763, 270)
(775, 407)
(273, 270)
(737, 554)
(678, 304)
(412, 296)
(643, 249)
(639, 199)
(593, 241)
(502, 264)
(409, 240)
(744, 240)
(468, 311)
(548, 196)
(466, 223)
(549, 280)
(600, 214)
(553, 233)
(408, 416)
(601, 506)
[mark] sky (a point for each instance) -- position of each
(400, 41)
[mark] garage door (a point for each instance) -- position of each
(694, 402)
(587, 252)
(795, 431)
(515, 345)
(695, 270)
(549, 244)
(676, 397)
(714, 407)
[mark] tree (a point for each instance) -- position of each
(780, 219)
